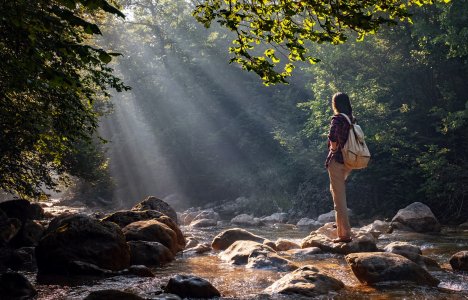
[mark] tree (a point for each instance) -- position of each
(51, 82)
(286, 26)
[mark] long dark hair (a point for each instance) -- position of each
(341, 104)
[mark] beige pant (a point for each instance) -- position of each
(338, 174)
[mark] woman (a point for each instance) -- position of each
(337, 171)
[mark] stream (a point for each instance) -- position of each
(238, 282)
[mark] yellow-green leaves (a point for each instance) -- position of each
(285, 25)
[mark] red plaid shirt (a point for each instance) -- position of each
(339, 130)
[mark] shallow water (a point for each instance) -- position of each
(238, 282)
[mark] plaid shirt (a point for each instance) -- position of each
(339, 130)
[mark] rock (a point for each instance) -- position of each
(302, 254)
(153, 203)
(372, 268)
(308, 224)
(306, 281)
(85, 268)
(329, 217)
(377, 228)
(29, 234)
(323, 239)
(9, 228)
(246, 220)
(284, 245)
(125, 217)
(189, 215)
(416, 217)
(270, 244)
(112, 294)
(153, 231)
(399, 247)
(238, 253)
(223, 240)
(22, 210)
(191, 242)
(149, 253)
(206, 214)
(141, 271)
(412, 253)
(459, 261)
(186, 286)
(81, 238)
(15, 286)
(261, 259)
(203, 223)
(201, 248)
(463, 226)
(17, 259)
(275, 218)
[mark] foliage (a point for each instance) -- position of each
(51, 79)
(285, 26)
(407, 85)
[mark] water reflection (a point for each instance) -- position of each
(238, 282)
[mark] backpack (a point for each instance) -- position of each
(356, 155)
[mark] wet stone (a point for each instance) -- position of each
(459, 261)
(149, 253)
(239, 252)
(191, 287)
(153, 203)
(15, 286)
(306, 281)
(376, 267)
(226, 238)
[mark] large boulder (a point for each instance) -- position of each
(125, 217)
(371, 268)
(416, 217)
(153, 203)
(226, 238)
(187, 286)
(323, 239)
(81, 238)
(239, 252)
(149, 253)
(459, 261)
(22, 209)
(14, 286)
(306, 281)
(153, 231)
(246, 220)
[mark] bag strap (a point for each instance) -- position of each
(347, 118)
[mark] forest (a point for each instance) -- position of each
(190, 126)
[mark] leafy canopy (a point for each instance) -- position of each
(51, 82)
(284, 27)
